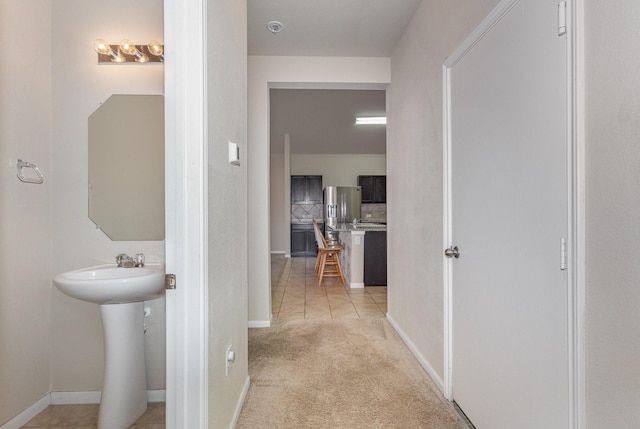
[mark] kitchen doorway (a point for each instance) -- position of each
(313, 132)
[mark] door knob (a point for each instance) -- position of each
(452, 252)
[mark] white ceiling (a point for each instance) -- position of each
(339, 28)
(322, 121)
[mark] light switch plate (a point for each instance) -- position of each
(234, 154)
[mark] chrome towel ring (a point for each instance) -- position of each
(37, 180)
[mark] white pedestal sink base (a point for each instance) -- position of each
(124, 391)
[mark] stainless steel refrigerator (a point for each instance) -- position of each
(341, 205)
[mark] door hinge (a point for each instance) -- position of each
(562, 18)
(563, 254)
(170, 281)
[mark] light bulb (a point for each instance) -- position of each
(128, 47)
(155, 48)
(141, 58)
(102, 47)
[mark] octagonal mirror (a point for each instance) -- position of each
(126, 167)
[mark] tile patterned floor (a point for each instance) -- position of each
(297, 295)
(86, 417)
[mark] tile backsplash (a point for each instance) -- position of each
(377, 212)
(306, 212)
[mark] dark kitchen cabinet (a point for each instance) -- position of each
(374, 188)
(375, 258)
(303, 239)
(306, 189)
(298, 189)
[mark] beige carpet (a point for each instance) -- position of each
(339, 374)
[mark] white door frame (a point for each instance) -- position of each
(575, 192)
(186, 213)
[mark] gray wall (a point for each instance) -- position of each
(414, 170)
(227, 110)
(612, 38)
(25, 216)
(278, 205)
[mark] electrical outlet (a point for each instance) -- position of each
(229, 356)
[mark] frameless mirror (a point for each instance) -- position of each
(126, 167)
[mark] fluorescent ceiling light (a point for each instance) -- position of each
(371, 120)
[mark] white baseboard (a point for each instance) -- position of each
(356, 285)
(68, 398)
(93, 397)
(28, 414)
(243, 396)
(278, 252)
(159, 395)
(261, 323)
(421, 359)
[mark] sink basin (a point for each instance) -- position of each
(110, 284)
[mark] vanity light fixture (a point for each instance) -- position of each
(104, 49)
(371, 120)
(156, 49)
(127, 52)
(129, 48)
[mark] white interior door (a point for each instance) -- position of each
(508, 153)
(185, 216)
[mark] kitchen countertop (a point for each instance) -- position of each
(306, 221)
(349, 227)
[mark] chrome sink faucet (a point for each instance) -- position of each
(125, 261)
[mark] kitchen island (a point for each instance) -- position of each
(362, 269)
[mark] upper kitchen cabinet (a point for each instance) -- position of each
(306, 189)
(374, 188)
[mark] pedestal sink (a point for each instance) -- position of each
(121, 293)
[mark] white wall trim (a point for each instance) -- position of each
(243, 396)
(159, 395)
(93, 397)
(421, 359)
(259, 323)
(480, 31)
(278, 252)
(28, 414)
(577, 247)
(68, 398)
(187, 321)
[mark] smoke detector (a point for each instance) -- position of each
(275, 26)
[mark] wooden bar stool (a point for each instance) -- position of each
(328, 261)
